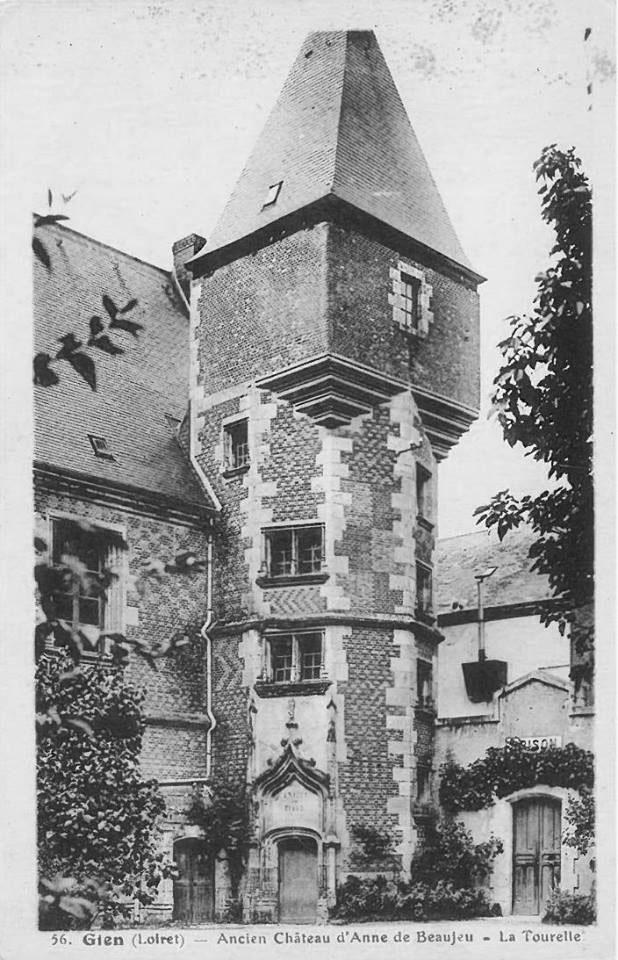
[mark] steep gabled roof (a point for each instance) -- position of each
(141, 395)
(458, 559)
(339, 128)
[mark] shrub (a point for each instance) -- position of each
(447, 873)
(374, 848)
(570, 908)
(382, 899)
(449, 854)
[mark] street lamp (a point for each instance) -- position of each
(480, 580)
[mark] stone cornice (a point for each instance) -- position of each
(331, 389)
(134, 500)
(327, 619)
(331, 209)
(445, 421)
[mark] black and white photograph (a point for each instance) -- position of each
(308, 426)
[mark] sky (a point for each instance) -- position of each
(149, 111)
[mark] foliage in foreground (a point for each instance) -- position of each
(96, 815)
(447, 874)
(503, 770)
(543, 399)
(570, 908)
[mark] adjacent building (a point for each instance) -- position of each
(509, 677)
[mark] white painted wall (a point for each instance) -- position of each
(523, 642)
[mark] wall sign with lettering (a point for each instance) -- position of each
(537, 743)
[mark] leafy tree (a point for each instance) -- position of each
(543, 399)
(96, 815)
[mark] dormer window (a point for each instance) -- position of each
(100, 447)
(273, 194)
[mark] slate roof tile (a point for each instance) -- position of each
(459, 558)
(339, 127)
(137, 392)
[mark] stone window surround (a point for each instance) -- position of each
(266, 579)
(115, 599)
(397, 300)
(266, 685)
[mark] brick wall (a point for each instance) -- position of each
(176, 604)
(230, 737)
(293, 446)
(361, 324)
(264, 312)
(365, 778)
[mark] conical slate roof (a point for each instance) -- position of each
(339, 127)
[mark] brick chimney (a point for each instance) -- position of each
(183, 250)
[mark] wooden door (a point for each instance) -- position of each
(298, 881)
(194, 888)
(536, 853)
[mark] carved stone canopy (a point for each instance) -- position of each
(290, 767)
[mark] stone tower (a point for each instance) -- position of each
(335, 361)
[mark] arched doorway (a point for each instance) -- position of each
(194, 888)
(298, 880)
(536, 852)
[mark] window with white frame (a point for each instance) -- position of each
(411, 299)
(410, 290)
(236, 437)
(294, 657)
(90, 596)
(82, 603)
(294, 551)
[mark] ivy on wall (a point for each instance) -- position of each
(503, 770)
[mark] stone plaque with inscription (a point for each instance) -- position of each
(294, 806)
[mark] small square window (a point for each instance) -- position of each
(295, 657)
(236, 445)
(294, 551)
(273, 194)
(424, 599)
(100, 447)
